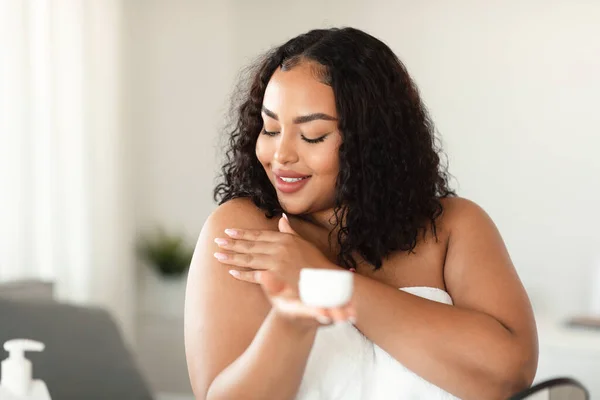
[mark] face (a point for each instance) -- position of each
(298, 147)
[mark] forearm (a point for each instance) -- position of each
(271, 367)
(467, 353)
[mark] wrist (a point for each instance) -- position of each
(298, 327)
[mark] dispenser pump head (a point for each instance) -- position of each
(17, 347)
(16, 369)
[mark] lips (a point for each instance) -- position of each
(299, 181)
(288, 174)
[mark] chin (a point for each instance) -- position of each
(294, 207)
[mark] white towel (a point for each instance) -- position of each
(345, 365)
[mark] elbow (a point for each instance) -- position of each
(201, 394)
(213, 395)
(217, 391)
(516, 376)
(214, 392)
(210, 395)
(513, 385)
(203, 389)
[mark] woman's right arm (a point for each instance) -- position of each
(236, 347)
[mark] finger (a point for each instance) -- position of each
(284, 225)
(338, 314)
(286, 301)
(344, 313)
(351, 313)
(245, 246)
(247, 276)
(255, 235)
(323, 316)
(254, 261)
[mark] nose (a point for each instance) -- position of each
(285, 152)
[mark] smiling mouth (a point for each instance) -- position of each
(290, 185)
(292, 180)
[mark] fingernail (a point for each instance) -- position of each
(234, 273)
(323, 320)
(221, 242)
(352, 320)
(220, 256)
(232, 232)
(286, 217)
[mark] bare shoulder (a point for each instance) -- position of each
(238, 213)
(478, 270)
(472, 236)
(219, 308)
(459, 212)
(480, 275)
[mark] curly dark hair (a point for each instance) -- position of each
(390, 180)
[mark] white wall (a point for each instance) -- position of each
(514, 90)
(179, 70)
(511, 85)
(179, 75)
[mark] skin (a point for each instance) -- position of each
(256, 342)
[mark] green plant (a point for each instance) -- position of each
(168, 254)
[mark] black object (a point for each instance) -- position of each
(558, 389)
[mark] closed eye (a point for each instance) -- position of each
(268, 133)
(317, 140)
(307, 140)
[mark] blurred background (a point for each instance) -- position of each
(111, 110)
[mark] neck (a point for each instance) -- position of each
(324, 219)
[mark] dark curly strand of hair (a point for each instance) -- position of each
(390, 180)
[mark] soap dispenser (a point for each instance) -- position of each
(16, 382)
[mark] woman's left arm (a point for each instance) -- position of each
(485, 346)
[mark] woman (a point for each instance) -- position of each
(332, 163)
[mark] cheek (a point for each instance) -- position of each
(262, 151)
(325, 163)
(325, 159)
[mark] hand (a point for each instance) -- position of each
(285, 301)
(274, 259)
(284, 252)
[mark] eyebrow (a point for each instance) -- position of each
(302, 119)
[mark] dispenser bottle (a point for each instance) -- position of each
(16, 381)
